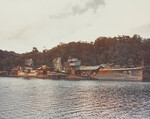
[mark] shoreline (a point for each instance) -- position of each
(76, 78)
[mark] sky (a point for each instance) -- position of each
(44, 24)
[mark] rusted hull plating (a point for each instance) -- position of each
(133, 74)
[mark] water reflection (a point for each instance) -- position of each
(58, 99)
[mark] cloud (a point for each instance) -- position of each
(146, 28)
(92, 4)
(77, 9)
(142, 30)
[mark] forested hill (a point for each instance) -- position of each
(6, 58)
(6, 54)
(121, 50)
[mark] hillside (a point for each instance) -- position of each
(121, 50)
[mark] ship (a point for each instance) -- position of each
(104, 72)
(73, 70)
(128, 74)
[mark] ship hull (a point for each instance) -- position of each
(125, 74)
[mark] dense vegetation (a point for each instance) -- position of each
(121, 50)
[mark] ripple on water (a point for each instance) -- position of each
(60, 99)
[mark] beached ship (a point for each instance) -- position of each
(132, 74)
(74, 70)
(103, 72)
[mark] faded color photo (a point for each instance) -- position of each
(74, 59)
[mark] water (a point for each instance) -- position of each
(61, 99)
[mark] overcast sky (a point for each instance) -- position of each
(45, 23)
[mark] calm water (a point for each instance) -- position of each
(61, 99)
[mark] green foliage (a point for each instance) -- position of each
(146, 53)
(121, 50)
